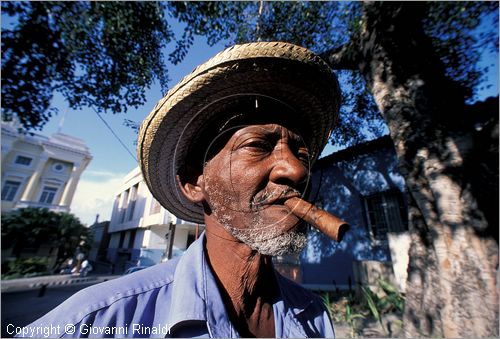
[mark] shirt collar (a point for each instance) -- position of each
(295, 298)
(294, 301)
(195, 294)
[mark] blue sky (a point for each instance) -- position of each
(101, 180)
(111, 162)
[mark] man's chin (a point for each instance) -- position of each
(286, 243)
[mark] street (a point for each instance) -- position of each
(22, 308)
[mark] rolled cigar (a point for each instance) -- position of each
(325, 222)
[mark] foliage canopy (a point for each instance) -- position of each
(452, 27)
(105, 54)
(32, 227)
(98, 54)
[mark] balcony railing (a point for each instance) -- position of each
(36, 204)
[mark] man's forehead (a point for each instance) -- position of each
(271, 129)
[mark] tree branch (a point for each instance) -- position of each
(343, 57)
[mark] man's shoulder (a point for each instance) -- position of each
(132, 292)
(139, 282)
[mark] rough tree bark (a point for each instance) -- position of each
(452, 287)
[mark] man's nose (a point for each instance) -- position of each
(288, 169)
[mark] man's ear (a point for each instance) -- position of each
(191, 184)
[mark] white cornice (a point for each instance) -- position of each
(58, 141)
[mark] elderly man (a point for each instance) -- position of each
(230, 146)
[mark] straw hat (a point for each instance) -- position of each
(277, 71)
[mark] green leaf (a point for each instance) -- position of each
(371, 303)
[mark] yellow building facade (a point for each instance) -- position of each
(40, 171)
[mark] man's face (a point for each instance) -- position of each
(247, 181)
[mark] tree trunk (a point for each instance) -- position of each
(452, 287)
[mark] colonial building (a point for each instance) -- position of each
(40, 171)
(363, 186)
(141, 231)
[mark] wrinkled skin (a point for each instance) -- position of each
(246, 183)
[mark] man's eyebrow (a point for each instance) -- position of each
(267, 131)
(260, 130)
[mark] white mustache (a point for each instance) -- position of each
(277, 194)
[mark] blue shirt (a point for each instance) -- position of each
(178, 298)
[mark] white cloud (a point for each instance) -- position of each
(96, 196)
(101, 175)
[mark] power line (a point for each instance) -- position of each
(116, 136)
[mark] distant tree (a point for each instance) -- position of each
(419, 63)
(71, 234)
(33, 227)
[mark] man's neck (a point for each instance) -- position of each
(246, 279)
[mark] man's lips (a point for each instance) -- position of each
(281, 200)
(276, 198)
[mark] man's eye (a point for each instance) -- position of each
(303, 155)
(259, 145)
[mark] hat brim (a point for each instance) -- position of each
(281, 71)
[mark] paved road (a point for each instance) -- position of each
(22, 308)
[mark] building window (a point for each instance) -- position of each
(48, 195)
(122, 239)
(131, 238)
(155, 207)
(123, 208)
(386, 212)
(22, 160)
(130, 210)
(9, 190)
(132, 201)
(122, 215)
(58, 167)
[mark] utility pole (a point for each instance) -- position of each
(170, 239)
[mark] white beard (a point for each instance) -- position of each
(270, 244)
(261, 237)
